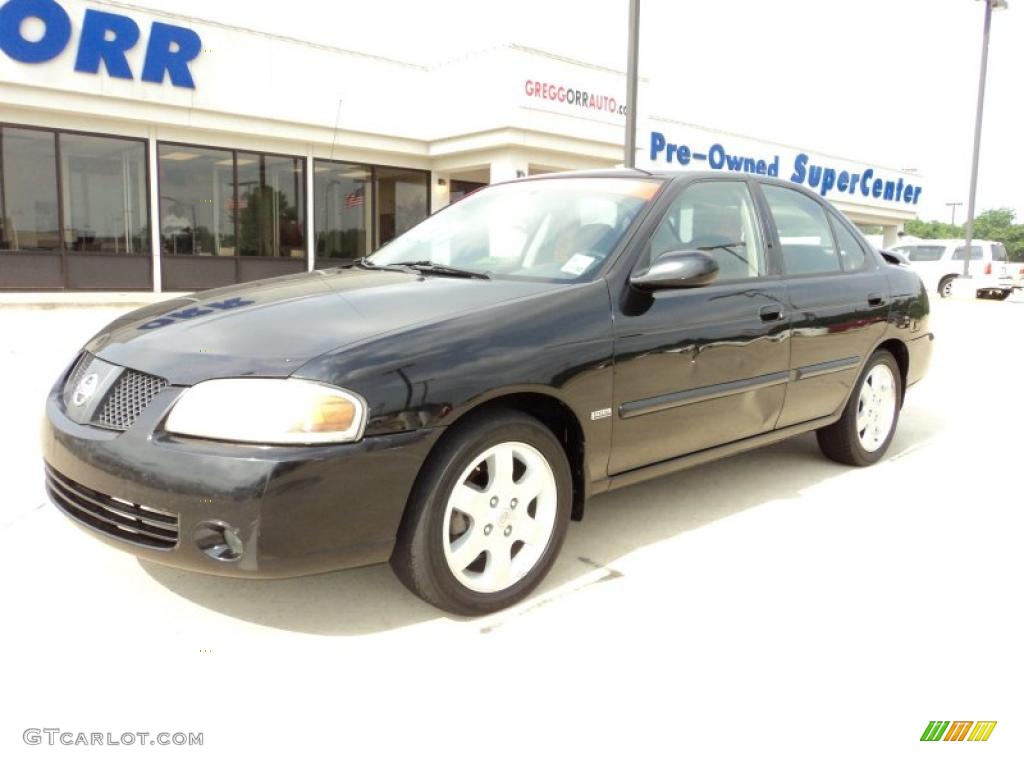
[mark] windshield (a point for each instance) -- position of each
(555, 230)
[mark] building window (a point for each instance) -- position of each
(74, 211)
(223, 203)
(342, 211)
(358, 208)
(105, 194)
(197, 204)
(458, 189)
(269, 210)
(28, 191)
(403, 201)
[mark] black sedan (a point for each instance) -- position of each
(451, 402)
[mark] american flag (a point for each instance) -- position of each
(237, 204)
(353, 199)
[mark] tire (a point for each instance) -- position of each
(946, 287)
(452, 514)
(878, 404)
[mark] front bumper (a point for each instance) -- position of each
(297, 510)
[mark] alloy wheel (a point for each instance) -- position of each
(876, 408)
(500, 517)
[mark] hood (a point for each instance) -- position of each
(272, 327)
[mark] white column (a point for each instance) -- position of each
(440, 190)
(507, 166)
(154, 211)
(310, 213)
(890, 234)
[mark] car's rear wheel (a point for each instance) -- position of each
(946, 287)
(488, 515)
(863, 433)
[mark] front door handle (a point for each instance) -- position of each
(771, 313)
(875, 299)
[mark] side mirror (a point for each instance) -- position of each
(676, 269)
(895, 257)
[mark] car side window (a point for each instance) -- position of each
(804, 233)
(959, 253)
(851, 252)
(925, 252)
(718, 218)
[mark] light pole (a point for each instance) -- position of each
(969, 226)
(952, 215)
(632, 58)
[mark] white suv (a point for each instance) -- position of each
(940, 262)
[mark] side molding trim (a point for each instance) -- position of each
(700, 394)
(822, 369)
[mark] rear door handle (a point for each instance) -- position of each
(771, 312)
(875, 299)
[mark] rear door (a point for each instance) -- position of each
(838, 301)
(698, 367)
(930, 262)
(1000, 267)
(979, 258)
(1009, 274)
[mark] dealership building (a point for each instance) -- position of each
(145, 151)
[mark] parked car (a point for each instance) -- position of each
(451, 402)
(940, 262)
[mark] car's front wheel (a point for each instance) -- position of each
(946, 287)
(488, 515)
(863, 433)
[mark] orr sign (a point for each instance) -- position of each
(37, 31)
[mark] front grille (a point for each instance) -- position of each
(127, 399)
(120, 519)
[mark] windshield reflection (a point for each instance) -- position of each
(554, 230)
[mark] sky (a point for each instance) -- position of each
(892, 82)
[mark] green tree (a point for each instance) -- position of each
(933, 230)
(995, 219)
(1000, 224)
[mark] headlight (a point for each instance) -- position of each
(281, 411)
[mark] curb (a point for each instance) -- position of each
(81, 300)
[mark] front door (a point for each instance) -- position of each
(699, 367)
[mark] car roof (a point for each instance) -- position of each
(638, 173)
(952, 241)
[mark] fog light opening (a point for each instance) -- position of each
(218, 541)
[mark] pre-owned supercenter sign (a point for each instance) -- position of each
(823, 179)
(105, 38)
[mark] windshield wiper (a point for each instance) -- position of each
(365, 263)
(433, 267)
